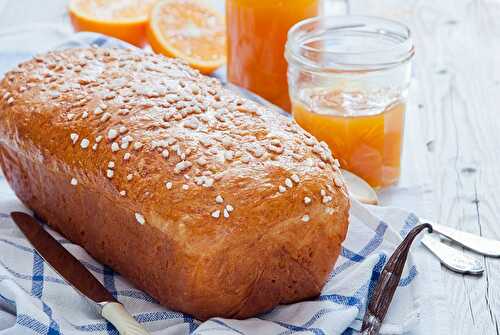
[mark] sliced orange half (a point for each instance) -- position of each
(123, 19)
(190, 30)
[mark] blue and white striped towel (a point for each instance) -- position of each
(35, 300)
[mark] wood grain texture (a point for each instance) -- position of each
(458, 43)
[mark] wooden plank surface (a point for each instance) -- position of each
(453, 149)
(458, 71)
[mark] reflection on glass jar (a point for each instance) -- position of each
(348, 80)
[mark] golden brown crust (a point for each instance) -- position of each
(211, 203)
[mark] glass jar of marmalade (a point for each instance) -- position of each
(348, 80)
(257, 33)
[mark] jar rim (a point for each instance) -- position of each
(397, 49)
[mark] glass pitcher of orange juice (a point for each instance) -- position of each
(348, 79)
(257, 33)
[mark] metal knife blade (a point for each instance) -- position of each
(65, 264)
(476, 243)
(452, 258)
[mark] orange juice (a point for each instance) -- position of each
(366, 137)
(257, 32)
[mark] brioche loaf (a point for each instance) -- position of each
(212, 204)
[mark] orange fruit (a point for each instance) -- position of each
(123, 19)
(190, 30)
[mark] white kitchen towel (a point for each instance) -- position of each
(35, 300)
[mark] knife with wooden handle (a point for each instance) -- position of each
(75, 274)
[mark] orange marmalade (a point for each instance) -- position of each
(367, 141)
(348, 79)
(257, 32)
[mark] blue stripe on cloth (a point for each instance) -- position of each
(88, 265)
(412, 273)
(295, 328)
(357, 300)
(4, 215)
(191, 323)
(18, 246)
(109, 279)
(30, 277)
(348, 331)
(376, 271)
(53, 327)
(28, 249)
(156, 316)
(32, 324)
(135, 294)
(37, 279)
(37, 290)
(351, 255)
(410, 222)
(373, 244)
(312, 320)
(341, 299)
(95, 268)
(27, 321)
(96, 327)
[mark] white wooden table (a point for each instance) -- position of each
(458, 98)
(452, 149)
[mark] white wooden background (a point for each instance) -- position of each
(452, 151)
(458, 70)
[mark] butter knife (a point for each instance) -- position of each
(75, 274)
(476, 243)
(452, 258)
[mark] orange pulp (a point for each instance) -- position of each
(123, 19)
(368, 145)
(189, 30)
(257, 33)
